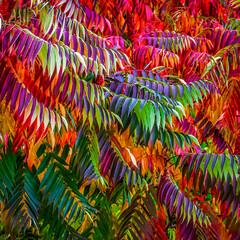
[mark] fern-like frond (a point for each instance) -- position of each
(192, 221)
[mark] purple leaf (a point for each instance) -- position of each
(223, 40)
(81, 95)
(31, 50)
(5, 43)
(179, 203)
(15, 37)
(15, 96)
(28, 98)
(117, 171)
(160, 88)
(107, 163)
(231, 160)
(215, 157)
(58, 84)
(124, 169)
(100, 51)
(135, 91)
(198, 163)
(66, 38)
(127, 90)
(129, 176)
(26, 48)
(207, 161)
(22, 44)
(132, 105)
(173, 198)
(125, 106)
(181, 89)
(174, 91)
(184, 159)
(164, 191)
(223, 161)
(38, 48)
(106, 116)
(230, 38)
(94, 50)
(136, 178)
(119, 103)
(41, 112)
(119, 89)
(169, 193)
(186, 204)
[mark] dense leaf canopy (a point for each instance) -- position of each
(120, 119)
